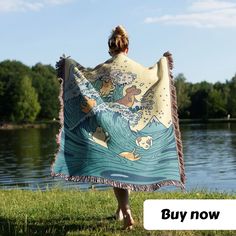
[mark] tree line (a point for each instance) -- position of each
(205, 100)
(28, 94)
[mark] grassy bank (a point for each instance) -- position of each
(71, 212)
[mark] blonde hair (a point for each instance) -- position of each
(118, 40)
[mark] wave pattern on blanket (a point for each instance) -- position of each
(117, 126)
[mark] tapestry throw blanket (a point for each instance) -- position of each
(119, 125)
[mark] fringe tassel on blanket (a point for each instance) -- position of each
(175, 118)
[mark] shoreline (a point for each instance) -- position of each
(39, 124)
(206, 121)
(45, 124)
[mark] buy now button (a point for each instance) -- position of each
(183, 214)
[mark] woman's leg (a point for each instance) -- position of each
(122, 196)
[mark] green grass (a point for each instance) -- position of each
(73, 212)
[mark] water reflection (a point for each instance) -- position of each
(209, 151)
(210, 156)
(25, 156)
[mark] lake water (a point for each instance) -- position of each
(209, 151)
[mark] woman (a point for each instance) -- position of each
(119, 43)
(119, 125)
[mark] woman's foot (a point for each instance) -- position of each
(119, 215)
(128, 220)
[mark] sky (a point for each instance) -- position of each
(200, 34)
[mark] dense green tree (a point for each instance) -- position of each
(208, 100)
(1, 88)
(183, 98)
(47, 87)
(13, 67)
(26, 106)
(199, 100)
(224, 90)
(216, 104)
(10, 72)
(231, 105)
(18, 99)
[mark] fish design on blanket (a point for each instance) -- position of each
(130, 155)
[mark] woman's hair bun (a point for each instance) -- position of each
(120, 30)
(118, 40)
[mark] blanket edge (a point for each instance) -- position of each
(175, 118)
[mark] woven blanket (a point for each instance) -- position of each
(119, 125)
